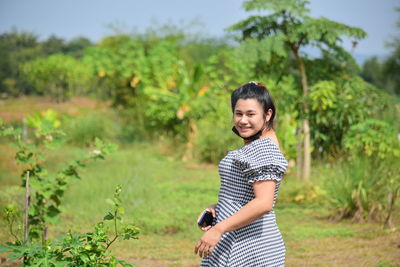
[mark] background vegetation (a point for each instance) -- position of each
(163, 96)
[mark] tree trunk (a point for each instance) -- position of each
(300, 154)
(305, 126)
(391, 205)
(307, 151)
(192, 137)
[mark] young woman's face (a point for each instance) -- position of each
(248, 117)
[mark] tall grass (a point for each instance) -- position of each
(359, 187)
(82, 130)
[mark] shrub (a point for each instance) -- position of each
(363, 188)
(88, 249)
(373, 138)
(300, 192)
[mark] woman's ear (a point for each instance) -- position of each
(268, 115)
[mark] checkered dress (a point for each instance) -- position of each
(260, 243)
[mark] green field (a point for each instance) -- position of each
(163, 196)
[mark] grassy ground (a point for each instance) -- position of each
(163, 197)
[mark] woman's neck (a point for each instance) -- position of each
(266, 134)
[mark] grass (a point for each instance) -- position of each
(163, 196)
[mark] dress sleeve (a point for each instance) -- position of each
(261, 161)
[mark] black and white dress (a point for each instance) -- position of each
(260, 243)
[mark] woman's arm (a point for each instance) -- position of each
(254, 209)
(261, 204)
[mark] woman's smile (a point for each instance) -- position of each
(244, 129)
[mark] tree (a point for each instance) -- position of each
(58, 76)
(290, 26)
(385, 73)
(16, 47)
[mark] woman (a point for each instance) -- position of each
(244, 232)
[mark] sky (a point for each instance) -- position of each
(92, 18)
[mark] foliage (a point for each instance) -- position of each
(56, 45)
(300, 193)
(367, 184)
(48, 188)
(384, 73)
(337, 105)
(359, 188)
(88, 249)
(290, 28)
(16, 48)
(185, 100)
(215, 137)
(286, 99)
(19, 47)
(373, 138)
(289, 25)
(58, 76)
(125, 66)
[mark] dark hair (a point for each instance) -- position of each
(257, 91)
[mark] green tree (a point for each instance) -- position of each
(16, 47)
(372, 72)
(77, 46)
(385, 73)
(336, 105)
(391, 70)
(291, 27)
(55, 45)
(125, 65)
(59, 76)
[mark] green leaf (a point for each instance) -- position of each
(109, 217)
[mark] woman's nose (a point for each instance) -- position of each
(243, 119)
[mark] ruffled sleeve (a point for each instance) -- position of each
(261, 160)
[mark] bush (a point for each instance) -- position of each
(300, 192)
(362, 188)
(88, 249)
(373, 138)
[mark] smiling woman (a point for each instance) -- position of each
(244, 230)
(253, 109)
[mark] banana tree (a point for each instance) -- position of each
(182, 103)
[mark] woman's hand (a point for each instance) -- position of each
(211, 209)
(205, 247)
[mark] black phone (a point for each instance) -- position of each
(206, 219)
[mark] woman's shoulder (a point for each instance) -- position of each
(260, 154)
(264, 144)
(261, 151)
